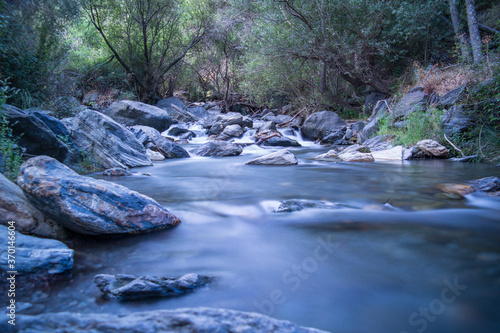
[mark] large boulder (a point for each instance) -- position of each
(145, 134)
(128, 287)
(280, 142)
(170, 149)
(393, 154)
(453, 97)
(219, 149)
(231, 131)
(33, 134)
(432, 148)
(193, 320)
(281, 157)
(415, 100)
(110, 144)
(488, 184)
(356, 157)
(320, 124)
(459, 119)
(89, 206)
(372, 99)
(35, 255)
(14, 206)
(131, 113)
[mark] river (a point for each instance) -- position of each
(430, 264)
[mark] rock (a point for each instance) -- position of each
(175, 321)
(330, 154)
(231, 131)
(33, 134)
(280, 142)
(116, 172)
(457, 189)
(412, 153)
(131, 113)
(488, 184)
(178, 131)
(154, 155)
(216, 128)
(453, 97)
(358, 126)
(394, 154)
(458, 119)
(219, 149)
(170, 149)
(268, 126)
(465, 159)
(320, 124)
(289, 206)
(335, 136)
(128, 287)
(282, 157)
(35, 255)
(380, 142)
(433, 149)
(349, 133)
(368, 131)
(415, 100)
(109, 143)
(167, 103)
(89, 206)
(371, 100)
(14, 206)
(356, 157)
(198, 111)
(184, 138)
(145, 133)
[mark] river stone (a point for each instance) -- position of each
(334, 136)
(219, 149)
(330, 154)
(131, 113)
(35, 255)
(289, 206)
(89, 206)
(356, 157)
(267, 126)
(433, 148)
(14, 206)
(415, 100)
(368, 131)
(177, 131)
(154, 155)
(127, 287)
(146, 133)
(457, 189)
(216, 128)
(380, 142)
(282, 157)
(371, 100)
(170, 149)
(189, 320)
(116, 172)
(230, 131)
(110, 144)
(33, 134)
(488, 184)
(320, 124)
(280, 142)
(394, 154)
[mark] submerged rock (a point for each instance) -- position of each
(207, 320)
(219, 149)
(488, 184)
(127, 287)
(456, 189)
(282, 157)
(89, 206)
(35, 255)
(117, 172)
(289, 206)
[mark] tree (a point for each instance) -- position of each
(475, 37)
(146, 37)
(460, 32)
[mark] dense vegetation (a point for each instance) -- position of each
(310, 55)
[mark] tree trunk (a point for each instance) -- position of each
(323, 85)
(475, 37)
(460, 33)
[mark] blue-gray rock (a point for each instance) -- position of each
(87, 205)
(281, 157)
(145, 134)
(488, 184)
(189, 320)
(35, 255)
(169, 149)
(334, 136)
(230, 131)
(131, 113)
(459, 119)
(198, 111)
(371, 100)
(34, 135)
(268, 126)
(116, 172)
(369, 130)
(109, 143)
(415, 100)
(320, 124)
(167, 103)
(14, 206)
(453, 97)
(289, 206)
(280, 142)
(358, 126)
(218, 148)
(128, 287)
(178, 131)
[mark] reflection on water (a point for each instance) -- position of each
(357, 269)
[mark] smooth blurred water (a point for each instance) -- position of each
(359, 269)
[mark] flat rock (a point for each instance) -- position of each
(170, 149)
(190, 320)
(289, 206)
(87, 205)
(356, 157)
(14, 206)
(109, 143)
(453, 97)
(35, 255)
(415, 100)
(433, 149)
(457, 189)
(394, 154)
(127, 287)
(282, 157)
(320, 124)
(145, 133)
(131, 113)
(488, 184)
(280, 142)
(328, 155)
(218, 148)
(154, 155)
(116, 172)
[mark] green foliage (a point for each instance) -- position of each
(418, 126)
(10, 153)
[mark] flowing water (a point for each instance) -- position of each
(430, 264)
